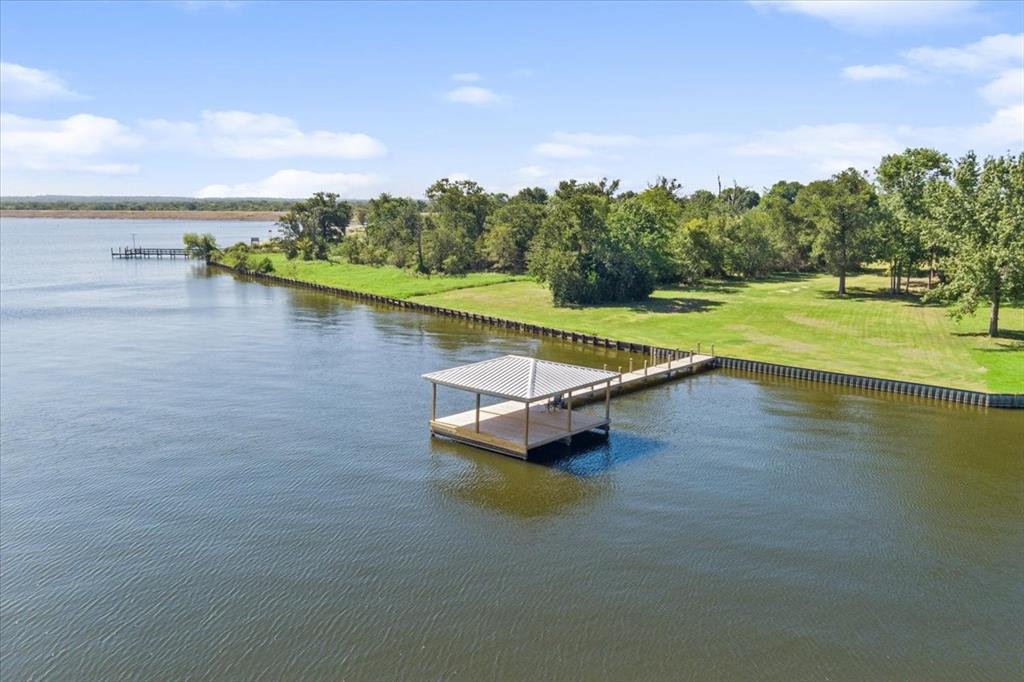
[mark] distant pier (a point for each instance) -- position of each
(140, 252)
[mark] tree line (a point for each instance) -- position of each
(961, 222)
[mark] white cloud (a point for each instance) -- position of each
(560, 150)
(75, 143)
(871, 15)
(467, 77)
(292, 183)
(828, 147)
(597, 139)
(472, 94)
(458, 177)
(247, 135)
(113, 168)
(579, 145)
(534, 172)
(19, 82)
(833, 147)
(991, 54)
(874, 72)
(1007, 88)
(1004, 130)
(690, 140)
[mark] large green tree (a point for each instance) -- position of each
(592, 250)
(460, 203)
(791, 234)
(844, 210)
(565, 251)
(457, 216)
(904, 237)
(509, 231)
(200, 246)
(981, 217)
(394, 231)
(310, 226)
(660, 219)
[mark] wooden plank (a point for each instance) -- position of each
(505, 424)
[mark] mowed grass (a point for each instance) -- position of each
(793, 320)
(796, 320)
(384, 281)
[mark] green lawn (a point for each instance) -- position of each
(384, 281)
(795, 320)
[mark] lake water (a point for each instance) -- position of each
(208, 478)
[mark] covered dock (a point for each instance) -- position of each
(537, 406)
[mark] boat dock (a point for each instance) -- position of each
(540, 398)
(141, 252)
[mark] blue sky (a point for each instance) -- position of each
(281, 99)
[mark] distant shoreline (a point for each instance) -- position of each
(254, 216)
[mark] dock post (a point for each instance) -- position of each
(645, 369)
(569, 415)
(712, 350)
(607, 401)
(698, 348)
(433, 402)
(477, 424)
(620, 374)
(526, 430)
(631, 364)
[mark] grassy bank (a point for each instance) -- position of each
(793, 320)
(796, 320)
(384, 281)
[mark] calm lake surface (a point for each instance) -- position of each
(208, 478)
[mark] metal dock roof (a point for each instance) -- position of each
(515, 377)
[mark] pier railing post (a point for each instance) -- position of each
(477, 425)
(526, 429)
(607, 400)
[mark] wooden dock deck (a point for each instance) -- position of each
(502, 427)
(147, 252)
(506, 428)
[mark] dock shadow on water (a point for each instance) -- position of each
(592, 454)
(508, 485)
(558, 478)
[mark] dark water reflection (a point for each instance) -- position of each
(222, 480)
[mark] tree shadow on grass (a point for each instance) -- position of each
(711, 286)
(879, 294)
(675, 305)
(1006, 335)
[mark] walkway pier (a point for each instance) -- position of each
(140, 252)
(540, 397)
